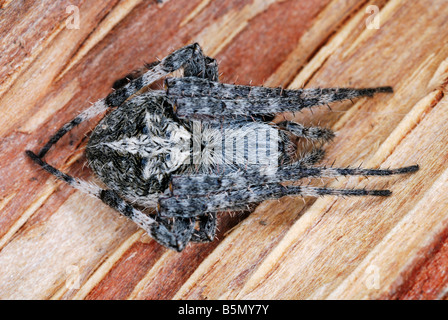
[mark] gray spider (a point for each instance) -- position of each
(200, 146)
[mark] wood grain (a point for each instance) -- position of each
(56, 243)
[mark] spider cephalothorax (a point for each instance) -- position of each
(200, 147)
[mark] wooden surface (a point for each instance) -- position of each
(56, 243)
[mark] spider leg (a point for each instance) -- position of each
(204, 184)
(183, 206)
(174, 235)
(185, 57)
(198, 66)
(207, 228)
(110, 197)
(96, 109)
(188, 57)
(207, 99)
(309, 158)
(134, 75)
(201, 66)
(312, 133)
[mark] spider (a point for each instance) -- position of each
(198, 147)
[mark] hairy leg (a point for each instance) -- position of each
(174, 235)
(202, 184)
(134, 75)
(170, 63)
(311, 133)
(188, 206)
(186, 57)
(203, 99)
(207, 228)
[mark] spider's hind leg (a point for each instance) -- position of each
(134, 75)
(189, 57)
(174, 234)
(186, 57)
(96, 109)
(198, 65)
(201, 66)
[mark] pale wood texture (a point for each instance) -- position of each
(56, 243)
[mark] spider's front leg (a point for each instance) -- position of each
(203, 99)
(213, 193)
(205, 184)
(176, 232)
(239, 199)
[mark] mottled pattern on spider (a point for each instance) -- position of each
(199, 147)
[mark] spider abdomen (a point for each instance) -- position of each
(128, 148)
